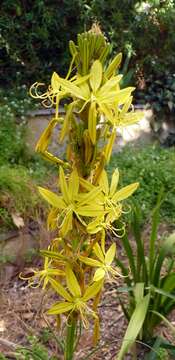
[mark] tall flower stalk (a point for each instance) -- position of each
(84, 207)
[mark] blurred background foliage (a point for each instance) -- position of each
(35, 34)
(34, 40)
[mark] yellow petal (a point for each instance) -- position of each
(95, 226)
(126, 106)
(60, 308)
(109, 98)
(85, 90)
(73, 184)
(86, 184)
(123, 95)
(52, 255)
(45, 137)
(63, 186)
(89, 261)
(103, 240)
(99, 274)
(98, 252)
(103, 182)
(52, 218)
(55, 83)
(92, 290)
(90, 210)
(113, 66)
(125, 192)
(107, 112)
(72, 282)
(64, 130)
(52, 198)
(60, 289)
(66, 225)
(109, 86)
(96, 75)
(92, 121)
(114, 182)
(71, 88)
(55, 272)
(131, 118)
(109, 146)
(110, 254)
(87, 198)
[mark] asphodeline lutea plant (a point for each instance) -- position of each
(85, 206)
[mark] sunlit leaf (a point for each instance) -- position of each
(135, 326)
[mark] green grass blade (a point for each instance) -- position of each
(166, 321)
(125, 271)
(136, 229)
(154, 230)
(135, 326)
(153, 355)
(130, 255)
(167, 248)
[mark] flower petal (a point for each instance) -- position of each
(90, 262)
(92, 122)
(63, 186)
(98, 252)
(110, 254)
(72, 282)
(114, 182)
(60, 289)
(92, 290)
(99, 274)
(96, 75)
(73, 184)
(60, 308)
(53, 199)
(103, 182)
(66, 225)
(125, 192)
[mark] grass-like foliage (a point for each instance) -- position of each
(150, 282)
(153, 167)
(18, 194)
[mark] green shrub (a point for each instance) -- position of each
(153, 167)
(14, 106)
(35, 36)
(18, 195)
(146, 26)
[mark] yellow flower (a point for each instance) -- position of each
(75, 301)
(103, 263)
(101, 93)
(71, 202)
(111, 198)
(43, 275)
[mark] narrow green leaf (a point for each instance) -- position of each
(167, 248)
(135, 326)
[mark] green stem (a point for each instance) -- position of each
(70, 338)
